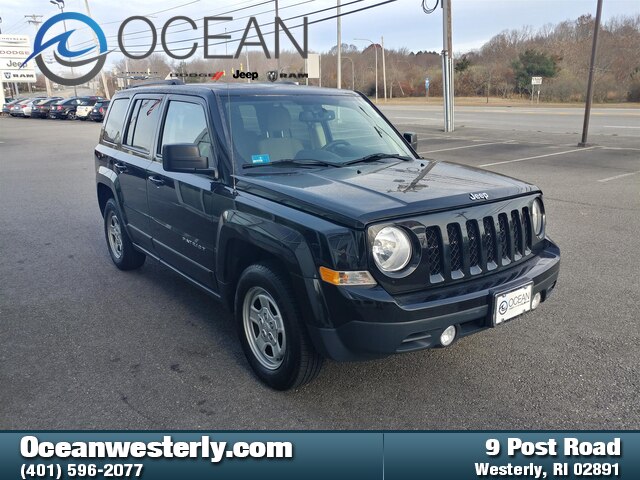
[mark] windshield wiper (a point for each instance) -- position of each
(377, 156)
(293, 161)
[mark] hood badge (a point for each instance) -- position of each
(479, 196)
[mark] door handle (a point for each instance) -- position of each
(158, 182)
(120, 167)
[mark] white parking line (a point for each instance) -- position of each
(466, 146)
(618, 126)
(619, 176)
(537, 156)
(415, 118)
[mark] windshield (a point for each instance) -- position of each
(327, 129)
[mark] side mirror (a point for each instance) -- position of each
(185, 158)
(412, 138)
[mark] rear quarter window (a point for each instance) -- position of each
(115, 121)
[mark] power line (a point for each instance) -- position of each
(218, 13)
(19, 23)
(234, 31)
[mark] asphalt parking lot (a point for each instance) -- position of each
(84, 345)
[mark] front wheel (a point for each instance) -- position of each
(122, 251)
(268, 321)
(71, 116)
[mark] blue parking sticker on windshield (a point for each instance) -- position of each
(257, 159)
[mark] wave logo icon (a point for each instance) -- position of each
(63, 55)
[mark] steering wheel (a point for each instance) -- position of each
(330, 146)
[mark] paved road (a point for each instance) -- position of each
(608, 126)
(83, 345)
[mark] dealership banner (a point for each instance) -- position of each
(14, 50)
(319, 455)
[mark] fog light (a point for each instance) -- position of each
(448, 336)
(536, 301)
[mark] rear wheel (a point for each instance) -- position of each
(122, 251)
(274, 341)
(71, 116)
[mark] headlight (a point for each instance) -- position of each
(391, 249)
(537, 217)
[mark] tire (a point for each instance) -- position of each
(71, 116)
(266, 291)
(122, 251)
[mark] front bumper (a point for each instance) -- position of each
(373, 324)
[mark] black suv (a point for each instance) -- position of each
(315, 221)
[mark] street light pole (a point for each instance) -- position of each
(353, 73)
(384, 70)
(447, 67)
(60, 5)
(376, 49)
(587, 108)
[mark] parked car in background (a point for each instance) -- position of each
(9, 103)
(83, 110)
(26, 112)
(98, 111)
(66, 109)
(18, 109)
(41, 109)
(5, 105)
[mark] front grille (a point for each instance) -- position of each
(471, 247)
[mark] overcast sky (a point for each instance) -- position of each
(402, 23)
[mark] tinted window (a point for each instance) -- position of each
(186, 123)
(143, 122)
(115, 121)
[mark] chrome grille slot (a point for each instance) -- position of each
(455, 246)
(489, 242)
(434, 256)
(473, 234)
(517, 233)
(504, 238)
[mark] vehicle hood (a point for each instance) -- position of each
(362, 194)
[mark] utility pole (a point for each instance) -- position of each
(35, 21)
(592, 69)
(384, 70)
(95, 38)
(339, 28)
(447, 67)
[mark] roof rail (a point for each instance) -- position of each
(174, 81)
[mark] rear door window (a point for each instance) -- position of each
(115, 121)
(143, 122)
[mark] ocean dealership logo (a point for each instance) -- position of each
(66, 57)
(63, 55)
